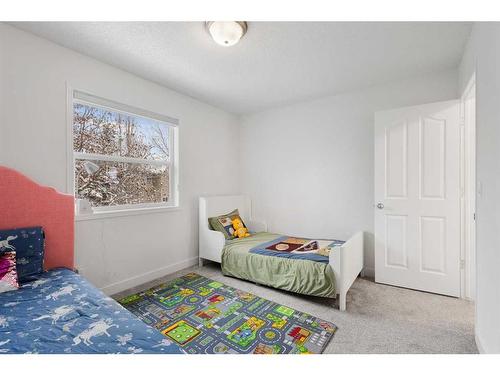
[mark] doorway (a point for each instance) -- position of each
(425, 193)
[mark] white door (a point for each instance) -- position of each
(417, 197)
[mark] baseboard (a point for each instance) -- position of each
(369, 272)
(148, 276)
(479, 345)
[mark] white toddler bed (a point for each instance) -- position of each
(346, 261)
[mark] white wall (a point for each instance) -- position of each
(119, 252)
(483, 52)
(309, 167)
(467, 66)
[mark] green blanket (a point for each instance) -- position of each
(294, 275)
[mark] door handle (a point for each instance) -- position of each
(380, 206)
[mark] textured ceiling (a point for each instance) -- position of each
(275, 63)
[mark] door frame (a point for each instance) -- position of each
(468, 193)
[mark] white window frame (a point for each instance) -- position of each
(82, 97)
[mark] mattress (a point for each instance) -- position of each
(305, 276)
(63, 313)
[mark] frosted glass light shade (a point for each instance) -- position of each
(226, 33)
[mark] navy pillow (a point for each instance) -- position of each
(29, 246)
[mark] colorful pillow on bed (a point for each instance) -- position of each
(8, 273)
(223, 223)
(28, 245)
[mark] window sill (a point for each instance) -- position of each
(99, 215)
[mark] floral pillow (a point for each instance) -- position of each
(223, 223)
(28, 247)
(8, 272)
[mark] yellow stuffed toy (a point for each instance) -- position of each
(239, 229)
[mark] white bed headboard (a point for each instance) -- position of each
(211, 242)
(223, 204)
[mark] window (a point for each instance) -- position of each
(123, 157)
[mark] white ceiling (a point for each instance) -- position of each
(275, 63)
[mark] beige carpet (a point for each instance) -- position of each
(379, 318)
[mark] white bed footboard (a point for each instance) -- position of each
(347, 263)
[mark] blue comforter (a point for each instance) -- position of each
(62, 313)
(297, 248)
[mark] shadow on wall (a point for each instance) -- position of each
(369, 247)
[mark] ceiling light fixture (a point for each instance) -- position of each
(226, 33)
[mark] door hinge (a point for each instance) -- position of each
(462, 121)
(462, 264)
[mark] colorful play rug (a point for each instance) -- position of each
(206, 316)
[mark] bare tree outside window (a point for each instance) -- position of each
(120, 159)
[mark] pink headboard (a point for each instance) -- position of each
(24, 203)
